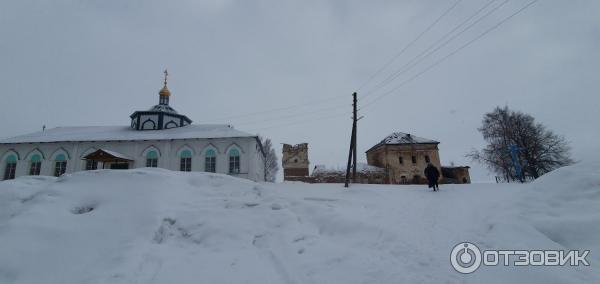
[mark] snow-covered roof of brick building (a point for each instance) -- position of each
(126, 133)
(400, 138)
(322, 170)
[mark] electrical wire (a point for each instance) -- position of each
(289, 116)
(427, 29)
(390, 61)
(428, 51)
(279, 109)
(450, 54)
(419, 57)
(303, 121)
(256, 113)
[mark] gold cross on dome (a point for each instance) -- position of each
(166, 75)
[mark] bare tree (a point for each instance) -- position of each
(271, 165)
(540, 150)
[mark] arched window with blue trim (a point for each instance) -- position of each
(35, 165)
(60, 165)
(152, 159)
(210, 161)
(234, 161)
(10, 167)
(185, 161)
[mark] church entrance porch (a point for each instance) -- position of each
(109, 159)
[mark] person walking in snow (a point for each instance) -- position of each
(432, 174)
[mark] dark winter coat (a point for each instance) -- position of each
(432, 174)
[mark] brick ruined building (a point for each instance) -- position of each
(295, 162)
(405, 156)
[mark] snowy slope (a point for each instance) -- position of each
(157, 226)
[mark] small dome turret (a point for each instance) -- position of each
(160, 116)
(164, 92)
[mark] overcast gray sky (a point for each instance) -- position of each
(73, 63)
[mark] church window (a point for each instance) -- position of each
(414, 159)
(185, 161)
(91, 165)
(36, 165)
(149, 124)
(234, 161)
(171, 124)
(11, 167)
(210, 161)
(152, 159)
(400, 160)
(60, 166)
(163, 100)
(427, 159)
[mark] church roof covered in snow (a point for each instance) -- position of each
(163, 108)
(126, 133)
(401, 138)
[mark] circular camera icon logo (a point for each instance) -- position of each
(465, 258)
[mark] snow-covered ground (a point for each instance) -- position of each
(157, 226)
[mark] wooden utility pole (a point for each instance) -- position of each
(352, 152)
(354, 122)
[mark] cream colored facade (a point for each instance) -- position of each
(405, 157)
(398, 160)
(295, 161)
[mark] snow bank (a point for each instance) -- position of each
(563, 206)
(157, 226)
(113, 226)
(557, 211)
(569, 215)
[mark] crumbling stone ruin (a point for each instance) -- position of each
(295, 162)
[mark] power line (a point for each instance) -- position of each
(276, 109)
(289, 116)
(420, 56)
(390, 61)
(450, 54)
(259, 113)
(428, 51)
(345, 113)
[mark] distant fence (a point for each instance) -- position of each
(500, 179)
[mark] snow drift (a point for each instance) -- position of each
(158, 226)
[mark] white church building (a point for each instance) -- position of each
(158, 137)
